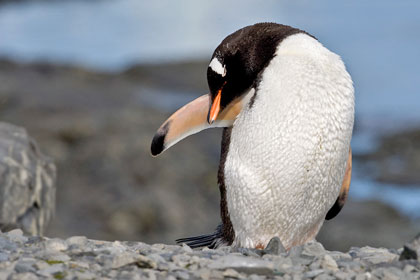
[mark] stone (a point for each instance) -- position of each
(55, 244)
(52, 270)
(25, 266)
(282, 264)
(313, 273)
(123, 259)
(76, 240)
(247, 265)
(231, 273)
(337, 256)
(16, 235)
(58, 257)
(274, 247)
(313, 249)
(27, 182)
(145, 262)
(182, 274)
(186, 248)
(373, 255)
(325, 276)
(411, 250)
(6, 245)
(4, 256)
(329, 263)
(393, 273)
(23, 276)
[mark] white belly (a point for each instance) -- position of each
(288, 152)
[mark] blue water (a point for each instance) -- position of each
(378, 40)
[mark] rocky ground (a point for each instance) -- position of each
(97, 128)
(77, 257)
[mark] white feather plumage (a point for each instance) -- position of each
(288, 152)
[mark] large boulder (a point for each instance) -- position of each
(27, 182)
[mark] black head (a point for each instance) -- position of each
(238, 61)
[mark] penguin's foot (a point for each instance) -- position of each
(274, 247)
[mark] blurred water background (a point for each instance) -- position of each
(378, 40)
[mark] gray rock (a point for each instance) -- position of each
(297, 256)
(339, 255)
(411, 249)
(16, 235)
(55, 270)
(313, 249)
(123, 259)
(145, 262)
(25, 266)
(76, 240)
(4, 257)
(7, 245)
(325, 276)
(329, 263)
(274, 247)
(23, 276)
(55, 245)
(394, 274)
(373, 255)
(313, 273)
(182, 274)
(27, 182)
(247, 265)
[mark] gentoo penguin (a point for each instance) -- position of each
(287, 106)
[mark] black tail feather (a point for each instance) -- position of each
(206, 240)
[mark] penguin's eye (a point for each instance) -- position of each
(217, 67)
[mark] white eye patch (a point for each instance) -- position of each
(217, 67)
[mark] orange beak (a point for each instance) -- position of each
(215, 108)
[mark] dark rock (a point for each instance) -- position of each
(27, 182)
(274, 247)
(411, 250)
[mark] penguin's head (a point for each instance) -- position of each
(237, 62)
(234, 69)
(228, 77)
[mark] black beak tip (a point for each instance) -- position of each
(157, 144)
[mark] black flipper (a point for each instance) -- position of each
(211, 240)
(335, 209)
(342, 197)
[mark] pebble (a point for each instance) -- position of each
(374, 255)
(55, 245)
(244, 264)
(16, 235)
(329, 263)
(313, 273)
(77, 257)
(4, 257)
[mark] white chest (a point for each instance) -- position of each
(288, 152)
